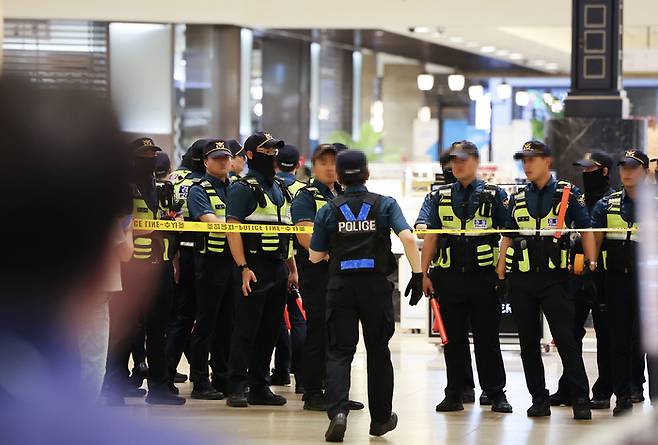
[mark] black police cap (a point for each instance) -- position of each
(595, 158)
(463, 150)
(288, 156)
(216, 148)
(334, 148)
(144, 144)
(162, 163)
(262, 139)
(351, 162)
(533, 148)
(236, 147)
(634, 157)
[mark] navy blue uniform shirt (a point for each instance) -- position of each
(289, 178)
(303, 206)
(540, 202)
(425, 209)
(465, 202)
(326, 224)
(600, 213)
(242, 200)
(197, 200)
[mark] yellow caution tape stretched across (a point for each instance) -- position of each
(195, 226)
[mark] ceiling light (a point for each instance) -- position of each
(424, 114)
(472, 44)
(456, 82)
(548, 98)
(552, 66)
(455, 39)
(557, 107)
(425, 81)
(539, 63)
(516, 56)
(475, 92)
(502, 52)
(421, 29)
(504, 91)
(522, 98)
(258, 109)
(488, 49)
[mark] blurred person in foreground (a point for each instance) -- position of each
(63, 210)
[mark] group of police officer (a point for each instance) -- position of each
(228, 299)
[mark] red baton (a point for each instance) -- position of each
(300, 305)
(286, 317)
(438, 325)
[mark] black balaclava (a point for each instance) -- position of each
(263, 164)
(143, 169)
(596, 184)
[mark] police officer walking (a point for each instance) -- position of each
(617, 211)
(214, 276)
(537, 260)
(288, 352)
(180, 327)
(313, 278)
(596, 167)
(464, 278)
(267, 268)
(354, 231)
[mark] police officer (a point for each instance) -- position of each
(313, 278)
(151, 258)
(617, 211)
(258, 198)
(287, 356)
(596, 167)
(238, 160)
(353, 234)
(214, 276)
(464, 277)
(180, 328)
(422, 222)
(539, 278)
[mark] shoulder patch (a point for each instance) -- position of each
(581, 200)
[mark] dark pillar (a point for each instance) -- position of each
(596, 110)
(286, 89)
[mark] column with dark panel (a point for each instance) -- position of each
(596, 111)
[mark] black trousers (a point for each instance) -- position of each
(257, 325)
(471, 297)
(313, 279)
(288, 352)
(547, 292)
(365, 297)
(183, 313)
(153, 310)
(215, 298)
(602, 388)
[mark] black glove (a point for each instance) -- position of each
(589, 289)
(502, 290)
(415, 287)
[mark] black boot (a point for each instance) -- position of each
(499, 404)
(138, 375)
(540, 408)
(337, 427)
(379, 429)
(162, 396)
(581, 409)
(237, 400)
(279, 378)
(624, 406)
(203, 390)
(468, 395)
(599, 403)
(484, 399)
(557, 399)
(180, 378)
(449, 404)
(265, 396)
(315, 401)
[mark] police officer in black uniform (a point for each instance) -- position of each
(464, 276)
(239, 158)
(537, 260)
(353, 234)
(180, 327)
(267, 268)
(617, 211)
(596, 167)
(215, 276)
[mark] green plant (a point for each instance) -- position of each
(368, 142)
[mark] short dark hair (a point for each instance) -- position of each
(64, 182)
(283, 168)
(351, 180)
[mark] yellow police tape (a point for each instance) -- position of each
(194, 226)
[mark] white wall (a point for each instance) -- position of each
(141, 77)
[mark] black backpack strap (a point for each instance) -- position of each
(282, 185)
(255, 187)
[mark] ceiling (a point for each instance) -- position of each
(535, 33)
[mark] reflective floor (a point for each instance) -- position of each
(419, 382)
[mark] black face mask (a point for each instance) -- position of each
(448, 176)
(263, 164)
(143, 169)
(595, 184)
